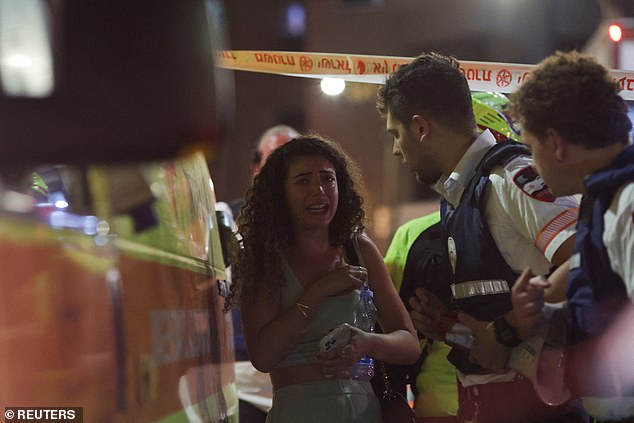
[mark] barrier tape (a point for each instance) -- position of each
(482, 76)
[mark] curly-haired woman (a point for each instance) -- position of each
(294, 285)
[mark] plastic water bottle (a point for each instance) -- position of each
(364, 318)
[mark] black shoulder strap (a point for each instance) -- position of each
(353, 254)
(498, 155)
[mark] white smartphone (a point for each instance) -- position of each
(338, 337)
(460, 335)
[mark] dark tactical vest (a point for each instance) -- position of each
(482, 279)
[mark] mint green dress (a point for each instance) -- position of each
(328, 400)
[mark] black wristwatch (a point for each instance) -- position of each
(505, 334)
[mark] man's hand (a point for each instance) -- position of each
(527, 297)
(426, 313)
(486, 350)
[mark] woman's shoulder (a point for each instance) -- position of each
(367, 245)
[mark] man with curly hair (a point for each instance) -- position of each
(577, 127)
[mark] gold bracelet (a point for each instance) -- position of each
(303, 309)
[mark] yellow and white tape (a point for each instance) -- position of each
(482, 76)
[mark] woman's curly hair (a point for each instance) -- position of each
(264, 223)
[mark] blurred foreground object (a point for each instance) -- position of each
(111, 265)
(126, 80)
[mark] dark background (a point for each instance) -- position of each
(515, 31)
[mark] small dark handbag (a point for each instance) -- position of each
(394, 406)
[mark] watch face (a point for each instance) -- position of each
(505, 334)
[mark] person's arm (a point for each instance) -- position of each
(533, 214)
(494, 340)
(271, 334)
(523, 208)
(558, 280)
(541, 219)
(427, 311)
(563, 253)
(527, 297)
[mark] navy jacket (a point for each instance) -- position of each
(595, 292)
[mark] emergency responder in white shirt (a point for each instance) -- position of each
(497, 218)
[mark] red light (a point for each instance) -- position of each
(615, 32)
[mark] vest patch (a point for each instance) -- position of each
(529, 181)
(575, 261)
(453, 255)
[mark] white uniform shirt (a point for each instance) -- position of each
(618, 235)
(618, 238)
(527, 229)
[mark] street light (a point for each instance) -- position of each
(616, 32)
(332, 86)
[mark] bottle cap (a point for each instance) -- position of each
(366, 291)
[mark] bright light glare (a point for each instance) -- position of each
(296, 20)
(333, 86)
(616, 33)
(61, 204)
(26, 60)
(18, 60)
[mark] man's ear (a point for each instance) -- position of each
(421, 126)
(557, 143)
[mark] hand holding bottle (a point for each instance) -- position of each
(364, 318)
